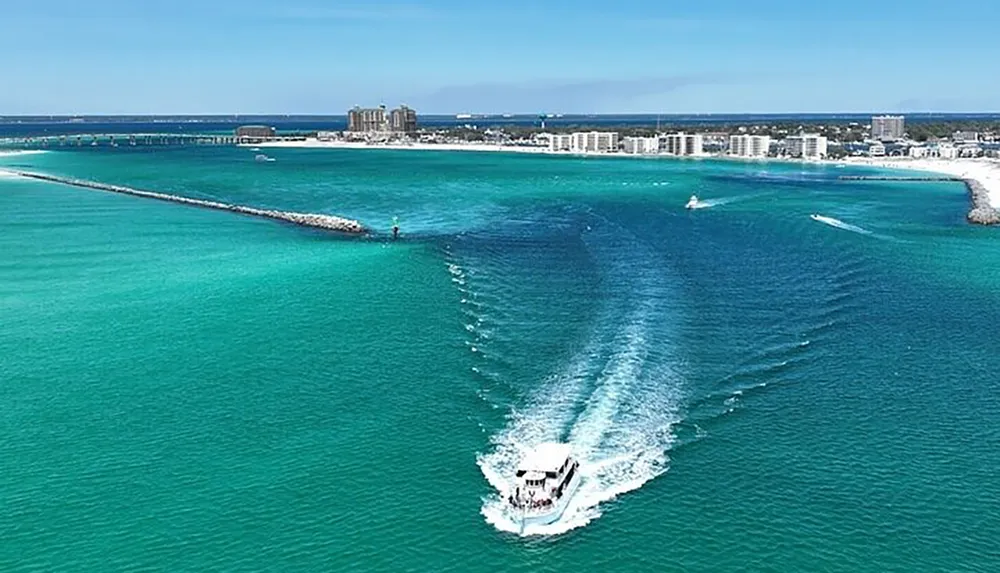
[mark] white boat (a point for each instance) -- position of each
(692, 202)
(261, 157)
(546, 479)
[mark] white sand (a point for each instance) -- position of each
(315, 143)
(482, 147)
(985, 171)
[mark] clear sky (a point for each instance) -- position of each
(501, 56)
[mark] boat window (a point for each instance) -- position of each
(550, 474)
(520, 473)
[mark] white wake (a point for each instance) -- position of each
(840, 224)
(615, 402)
(708, 203)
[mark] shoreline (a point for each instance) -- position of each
(981, 176)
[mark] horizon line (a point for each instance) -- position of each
(547, 115)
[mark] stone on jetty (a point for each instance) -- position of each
(982, 212)
(317, 221)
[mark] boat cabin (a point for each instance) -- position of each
(543, 474)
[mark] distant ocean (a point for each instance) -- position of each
(747, 388)
(27, 126)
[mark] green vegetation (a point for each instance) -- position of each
(921, 131)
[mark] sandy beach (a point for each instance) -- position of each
(315, 143)
(985, 171)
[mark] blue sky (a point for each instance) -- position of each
(511, 56)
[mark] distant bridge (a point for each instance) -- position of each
(134, 139)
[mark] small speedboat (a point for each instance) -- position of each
(546, 479)
(692, 202)
(261, 157)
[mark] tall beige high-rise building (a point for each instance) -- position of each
(367, 119)
(888, 127)
(403, 120)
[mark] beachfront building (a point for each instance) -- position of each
(403, 120)
(919, 152)
(888, 127)
(965, 137)
(876, 150)
(594, 142)
(367, 120)
(806, 146)
(641, 145)
(947, 152)
(749, 145)
(254, 133)
(682, 144)
(561, 142)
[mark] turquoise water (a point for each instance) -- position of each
(748, 389)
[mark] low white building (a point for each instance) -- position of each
(965, 137)
(749, 145)
(561, 142)
(640, 145)
(876, 150)
(594, 142)
(969, 150)
(806, 146)
(919, 152)
(682, 144)
(947, 151)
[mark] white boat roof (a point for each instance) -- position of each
(547, 457)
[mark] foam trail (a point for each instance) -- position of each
(615, 404)
(840, 224)
(707, 203)
(15, 152)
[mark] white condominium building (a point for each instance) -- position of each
(947, 151)
(749, 145)
(682, 144)
(965, 137)
(806, 146)
(888, 127)
(561, 142)
(594, 142)
(641, 145)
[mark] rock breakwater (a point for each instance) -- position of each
(314, 220)
(982, 212)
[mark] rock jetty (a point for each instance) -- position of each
(318, 221)
(982, 212)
